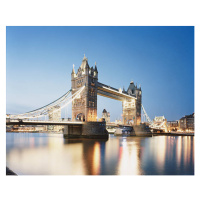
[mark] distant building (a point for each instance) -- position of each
(187, 123)
(40, 128)
(106, 116)
(159, 119)
(172, 125)
(27, 128)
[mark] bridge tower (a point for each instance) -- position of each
(132, 108)
(84, 108)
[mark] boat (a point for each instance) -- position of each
(123, 130)
(111, 129)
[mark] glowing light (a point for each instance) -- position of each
(96, 158)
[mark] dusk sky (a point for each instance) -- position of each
(39, 63)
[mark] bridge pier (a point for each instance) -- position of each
(72, 130)
(142, 130)
(93, 130)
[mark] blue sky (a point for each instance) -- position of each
(39, 63)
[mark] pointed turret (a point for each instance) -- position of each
(131, 88)
(84, 63)
(73, 71)
(95, 67)
(84, 58)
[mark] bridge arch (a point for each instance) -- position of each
(130, 122)
(80, 117)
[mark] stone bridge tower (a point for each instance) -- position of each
(132, 108)
(84, 108)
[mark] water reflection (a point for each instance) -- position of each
(171, 155)
(93, 154)
(46, 154)
(130, 155)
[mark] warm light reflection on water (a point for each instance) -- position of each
(50, 154)
(129, 162)
(96, 159)
(178, 151)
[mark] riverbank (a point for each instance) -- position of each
(173, 134)
(154, 134)
(50, 132)
(10, 172)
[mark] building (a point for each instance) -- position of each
(41, 128)
(106, 116)
(160, 122)
(159, 119)
(84, 107)
(27, 128)
(172, 125)
(132, 108)
(187, 123)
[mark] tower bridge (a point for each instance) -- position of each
(84, 90)
(85, 106)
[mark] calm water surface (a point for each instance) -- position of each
(50, 154)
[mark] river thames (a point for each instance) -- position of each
(51, 154)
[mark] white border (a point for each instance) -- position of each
(97, 13)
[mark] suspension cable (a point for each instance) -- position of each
(147, 117)
(45, 109)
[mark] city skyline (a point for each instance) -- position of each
(161, 59)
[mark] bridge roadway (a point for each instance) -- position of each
(61, 123)
(31, 122)
(113, 93)
(75, 129)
